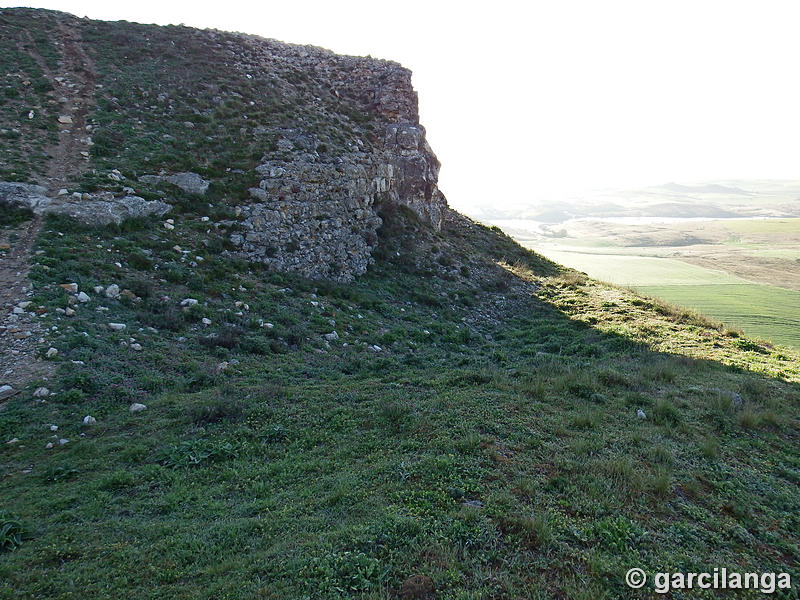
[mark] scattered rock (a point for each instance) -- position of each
(48, 445)
(136, 346)
(63, 441)
(112, 291)
(83, 297)
(12, 441)
(41, 392)
(72, 288)
(206, 321)
(6, 391)
(117, 326)
(89, 420)
(188, 302)
(65, 120)
(51, 353)
(53, 427)
(473, 503)
(332, 336)
(137, 407)
(641, 414)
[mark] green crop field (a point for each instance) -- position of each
(760, 310)
(636, 271)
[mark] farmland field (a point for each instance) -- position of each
(761, 311)
(635, 271)
(743, 272)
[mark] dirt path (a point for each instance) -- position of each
(22, 335)
(21, 331)
(73, 88)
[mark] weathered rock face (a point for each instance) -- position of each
(318, 215)
(316, 219)
(23, 196)
(191, 183)
(104, 209)
(95, 210)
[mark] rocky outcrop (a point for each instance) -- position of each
(108, 210)
(316, 219)
(316, 214)
(16, 196)
(191, 183)
(95, 210)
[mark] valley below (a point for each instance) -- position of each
(744, 272)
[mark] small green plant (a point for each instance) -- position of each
(666, 413)
(394, 413)
(616, 534)
(709, 448)
(585, 419)
(660, 454)
(214, 410)
(190, 453)
(534, 531)
(750, 346)
(58, 473)
(661, 484)
(749, 419)
(11, 531)
(12, 217)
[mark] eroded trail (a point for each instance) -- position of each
(22, 337)
(21, 332)
(73, 88)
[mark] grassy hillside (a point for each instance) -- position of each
(491, 443)
(459, 423)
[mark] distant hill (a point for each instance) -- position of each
(709, 188)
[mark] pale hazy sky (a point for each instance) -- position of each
(525, 101)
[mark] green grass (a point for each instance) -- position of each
(307, 470)
(761, 311)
